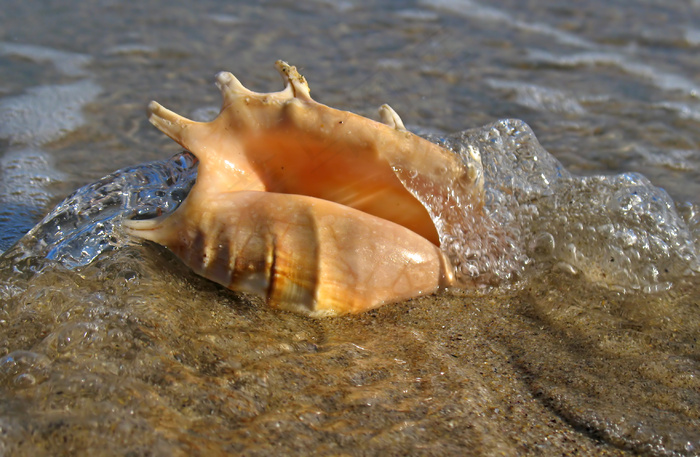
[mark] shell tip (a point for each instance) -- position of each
(294, 79)
(230, 87)
(224, 78)
(149, 229)
(169, 122)
(153, 108)
(391, 118)
(229, 84)
(161, 117)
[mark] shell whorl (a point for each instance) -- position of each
(299, 253)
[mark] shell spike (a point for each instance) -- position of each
(177, 127)
(294, 80)
(151, 229)
(168, 122)
(230, 87)
(391, 118)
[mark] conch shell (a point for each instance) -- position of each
(316, 210)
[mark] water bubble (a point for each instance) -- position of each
(24, 380)
(23, 368)
(566, 267)
(75, 334)
(543, 245)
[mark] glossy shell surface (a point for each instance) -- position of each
(315, 209)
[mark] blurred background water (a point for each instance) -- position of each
(132, 354)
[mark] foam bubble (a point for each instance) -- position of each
(618, 231)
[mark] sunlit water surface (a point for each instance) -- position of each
(111, 347)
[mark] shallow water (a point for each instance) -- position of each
(591, 349)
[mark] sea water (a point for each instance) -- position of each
(111, 347)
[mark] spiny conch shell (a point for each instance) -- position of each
(308, 206)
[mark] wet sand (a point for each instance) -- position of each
(135, 355)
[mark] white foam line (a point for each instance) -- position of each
(663, 80)
(692, 36)
(68, 63)
(131, 49)
(45, 113)
(475, 10)
(540, 98)
(682, 110)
